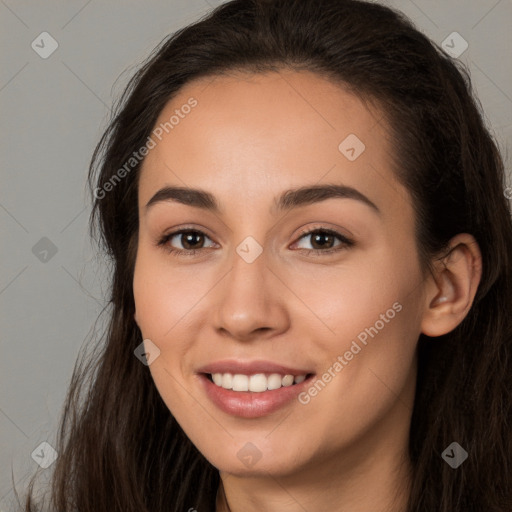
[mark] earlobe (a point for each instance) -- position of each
(450, 292)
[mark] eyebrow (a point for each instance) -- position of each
(288, 200)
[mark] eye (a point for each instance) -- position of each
(192, 241)
(323, 241)
(189, 239)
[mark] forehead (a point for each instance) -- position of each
(248, 133)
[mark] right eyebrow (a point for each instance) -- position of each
(188, 196)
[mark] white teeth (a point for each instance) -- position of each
(256, 383)
(240, 382)
(274, 381)
(227, 380)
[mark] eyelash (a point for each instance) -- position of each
(345, 242)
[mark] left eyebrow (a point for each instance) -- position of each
(302, 196)
(289, 199)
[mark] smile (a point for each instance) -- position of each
(252, 389)
(257, 383)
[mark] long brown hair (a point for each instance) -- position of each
(119, 447)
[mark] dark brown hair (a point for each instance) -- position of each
(119, 447)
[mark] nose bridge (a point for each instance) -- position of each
(248, 277)
(248, 300)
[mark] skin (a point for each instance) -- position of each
(250, 138)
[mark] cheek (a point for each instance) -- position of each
(372, 312)
(162, 295)
(376, 333)
(381, 315)
(161, 307)
(168, 303)
(350, 298)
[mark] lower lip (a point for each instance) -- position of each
(247, 404)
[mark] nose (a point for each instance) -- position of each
(250, 301)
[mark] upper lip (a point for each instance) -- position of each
(250, 368)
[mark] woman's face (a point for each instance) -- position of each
(260, 298)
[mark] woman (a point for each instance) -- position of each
(311, 294)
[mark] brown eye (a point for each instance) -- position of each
(190, 240)
(324, 241)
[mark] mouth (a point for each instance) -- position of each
(252, 389)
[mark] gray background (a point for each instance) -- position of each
(53, 113)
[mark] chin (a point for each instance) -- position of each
(245, 459)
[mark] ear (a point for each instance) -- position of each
(451, 290)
